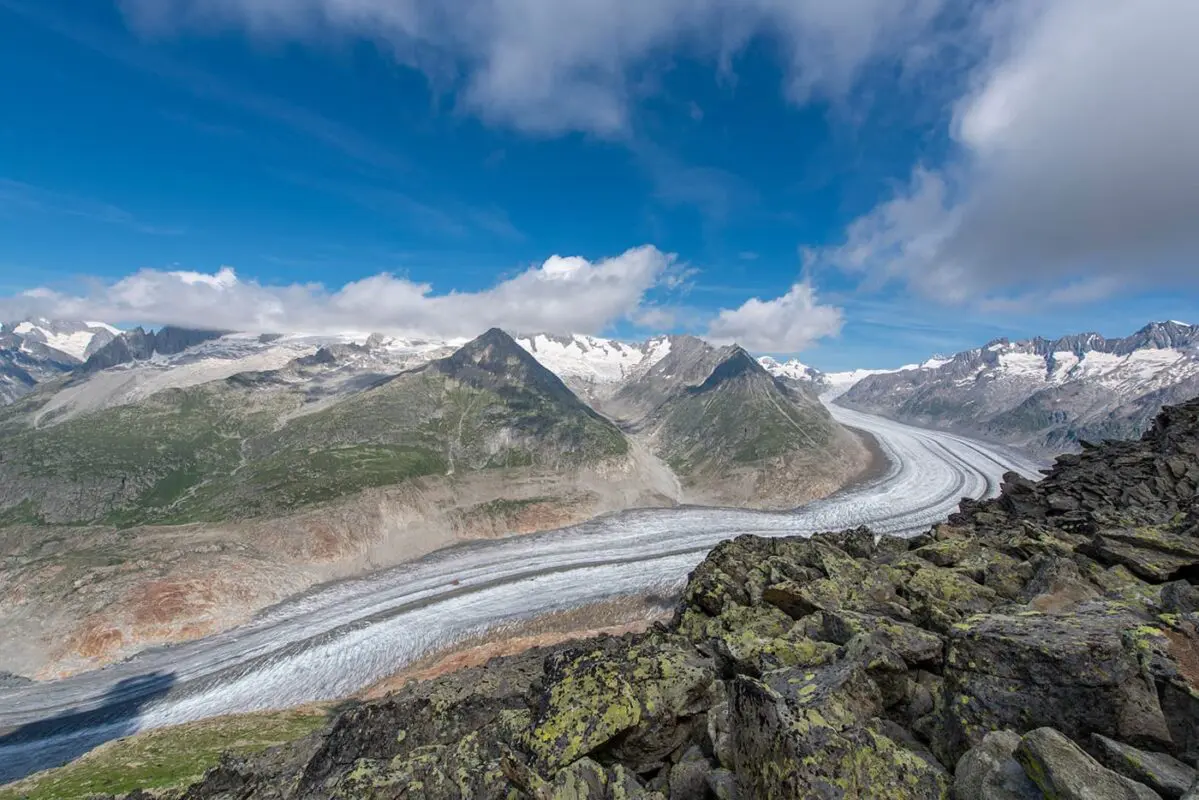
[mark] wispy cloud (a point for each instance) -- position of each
(551, 66)
(17, 196)
(716, 193)
(448, 218)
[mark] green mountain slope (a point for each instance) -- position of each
(734, 433)
(249, 446)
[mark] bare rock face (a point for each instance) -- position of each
(1002, 656)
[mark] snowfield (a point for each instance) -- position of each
(338, 639)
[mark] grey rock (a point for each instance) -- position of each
(1064, 771)
(1163, 773)
(989, 771)
(1180, 597)
(689, 777)
(1074, 673)
(722, 785)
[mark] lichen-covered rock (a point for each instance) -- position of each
(1064, 771)
(1057, 586)
(989, 771)
(1031, 670)
(635, 700)
(806, 735)
(915, 646)
(754, 639)
(940, 597)
(1150, 552)
(1166, 775)
(587, 780)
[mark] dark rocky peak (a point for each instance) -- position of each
(735, 364)
(139, 345)
(1078, 343)
(323, 357)
(494, 360)
(1146, 482)
(494, 351)
(1159, 336)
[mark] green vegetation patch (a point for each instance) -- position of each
(169, 758)
(293, 479)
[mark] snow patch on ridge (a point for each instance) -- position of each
(591, 359)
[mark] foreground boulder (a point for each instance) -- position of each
(1041, 645)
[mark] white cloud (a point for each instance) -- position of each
(1077, 163)
(560, 295)
(556, 65)
(786, 324)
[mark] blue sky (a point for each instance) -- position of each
(888, 180)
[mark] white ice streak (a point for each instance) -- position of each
(338, 639)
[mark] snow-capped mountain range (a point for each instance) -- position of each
(1045, 395)
(834, 384)
(33, 351)
(1041, 394)
(591, 365)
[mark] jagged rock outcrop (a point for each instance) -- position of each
(1039, 645)
(139, 344)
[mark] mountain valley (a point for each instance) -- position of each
(171, 484)
(213, 474)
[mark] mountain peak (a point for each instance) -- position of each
(495, 358)
(491, 345)
(735, 363)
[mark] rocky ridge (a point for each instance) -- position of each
(1040, 645)
(34, 352)
(1044, 395)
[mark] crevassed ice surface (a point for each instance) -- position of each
(340, 638)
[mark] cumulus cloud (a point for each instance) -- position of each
(786, 324)
(1077, 162)
(564, 294)
(556, 65)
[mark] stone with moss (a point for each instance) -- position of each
(1064, 771)
(634, 700)
(806, 735)
(1021, 671)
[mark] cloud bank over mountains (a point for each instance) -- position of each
(561, 295)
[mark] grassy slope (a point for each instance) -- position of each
(740, 423)
(166, 758)
(212, 452)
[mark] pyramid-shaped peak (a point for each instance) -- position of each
(494, 358)
(491, 345)
(734, 363)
